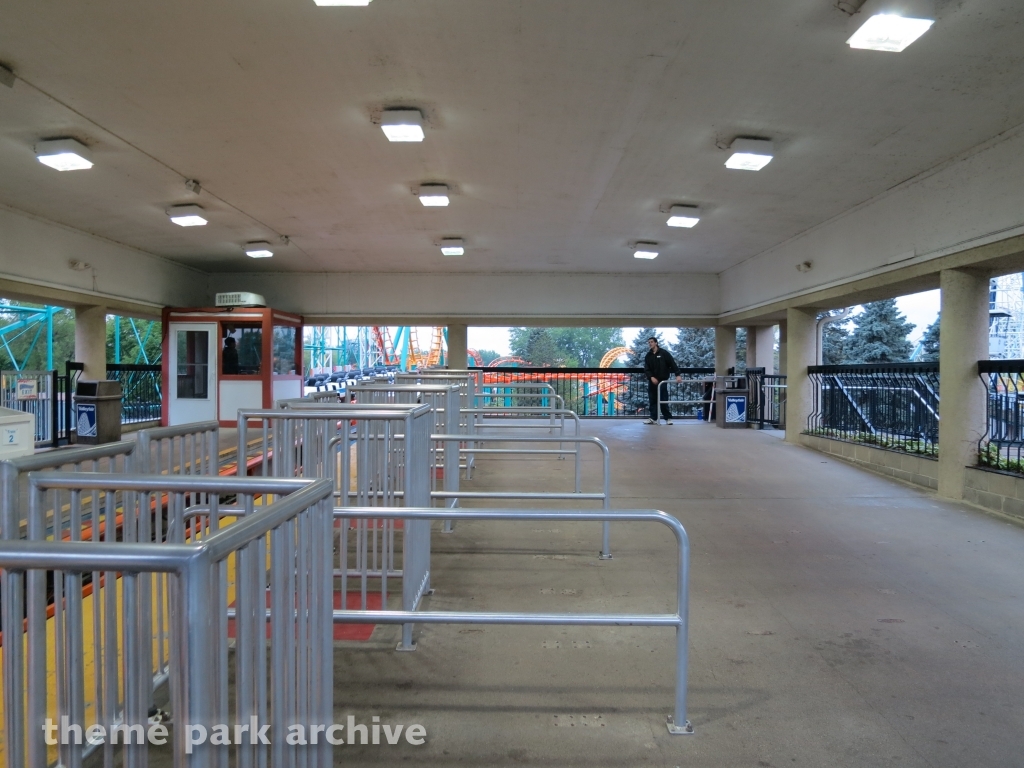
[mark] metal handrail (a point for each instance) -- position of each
(677, 722)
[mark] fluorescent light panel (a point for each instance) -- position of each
(402, 124)
(453, 246)
(683, 216)
(646, 251)
(750, 154)
(889, 32)
(258, 250)
(187, 215)
(433, 195)
(342, 2)
(64, 155)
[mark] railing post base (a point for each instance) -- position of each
(677, 730)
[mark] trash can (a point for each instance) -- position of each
(98, 412)
(731, 402)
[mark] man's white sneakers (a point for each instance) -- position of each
(651, 421)
(669, 422)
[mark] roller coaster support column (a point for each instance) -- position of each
(725, 349)
(457, 345)
(91, 340)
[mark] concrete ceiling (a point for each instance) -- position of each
(563, 126)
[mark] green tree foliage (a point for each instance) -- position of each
(584, 347)
(149, 333)
(570, 347)
(741, 350)
(695, 348)
(879, 335)
(21, 341)
(640, 349)
(536, 346)
(930, 343)
(834, 339)
(488, 355)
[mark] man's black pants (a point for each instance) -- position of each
(652, 397)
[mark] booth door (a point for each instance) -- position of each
(193, 395)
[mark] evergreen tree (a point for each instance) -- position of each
(834, 339)
(536, 346)
(930, 343)
(639, 346)
(695, 348)
(879, 335)
(741, 350)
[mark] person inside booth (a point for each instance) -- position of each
(229, 357)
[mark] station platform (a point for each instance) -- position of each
(838, 618)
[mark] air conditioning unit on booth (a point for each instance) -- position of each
(240, 300)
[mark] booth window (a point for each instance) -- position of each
(284, 350)
(242, 356)
(193, 365)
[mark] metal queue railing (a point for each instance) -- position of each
(685, 394)
(187, 449)
(377, 457)
(1002, 445)
(678, 724)
(452, 494)
(276, 554)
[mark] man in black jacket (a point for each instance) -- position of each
(658, 365)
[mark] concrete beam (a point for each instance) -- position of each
(486, 299)
(965, 212)
(36, 265)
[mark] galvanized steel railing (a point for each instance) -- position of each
(280, 551)
(377, 457)
(679, 619)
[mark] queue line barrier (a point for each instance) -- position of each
(275, 554)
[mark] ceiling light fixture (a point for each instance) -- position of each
(187, 215)
(750, 154)
(892, 25)
(259, 249)
(434, 195)
(646, 251)
(402, 124)
(342, 2)
(64, 154)
(453, 246)
(683, 216)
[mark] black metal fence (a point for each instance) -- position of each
(591, 392)
(140, 387)
(1002, 445)
(767, 393)
(889, 405)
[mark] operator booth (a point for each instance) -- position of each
(239, 354)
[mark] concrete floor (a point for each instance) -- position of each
(837, 619)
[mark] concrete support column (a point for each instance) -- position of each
(457, 344)
(765, 345)
(725, 349)
(964, 333)
(801, 343)
(783, 347)
(751, 359)
(91, 341)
